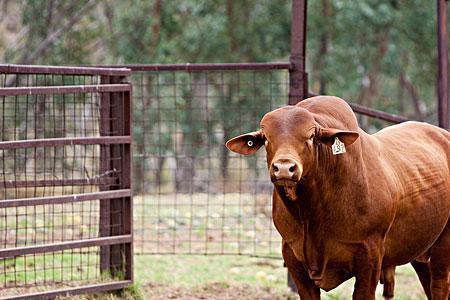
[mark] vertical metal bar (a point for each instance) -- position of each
(117, 205)
(105, 160)
(126, 183)
(442, 36)
(298, 78)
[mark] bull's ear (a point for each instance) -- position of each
(247, 143)
(328, 135)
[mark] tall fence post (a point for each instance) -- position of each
(442, 37)
(115, 160)
(298, 78)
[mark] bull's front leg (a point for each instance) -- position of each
(367, 269)
(307, 290)
(388, 280)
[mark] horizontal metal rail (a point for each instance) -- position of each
(92, 288)
(66, 89)
(101, 241)
(206, 67)
(378, 114)
(58, 182)
(371, 112)
(114, 194)
(67, 141)
(62, 70)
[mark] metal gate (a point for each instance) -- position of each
(65, 198)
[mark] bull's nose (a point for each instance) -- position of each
(284, 169)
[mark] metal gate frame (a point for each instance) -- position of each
(116, 215)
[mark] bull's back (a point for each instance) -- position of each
(416, 157)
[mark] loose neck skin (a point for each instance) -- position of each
(320, 192)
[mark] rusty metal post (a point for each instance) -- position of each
(442, 36)
(116, 214)
(105, 166)
(298, 78)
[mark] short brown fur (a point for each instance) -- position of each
(383, 203)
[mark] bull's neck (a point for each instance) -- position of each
(333, 181)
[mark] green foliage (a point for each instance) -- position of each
(370, 44)
(378, 53)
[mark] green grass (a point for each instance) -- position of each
(216, 223)
(48, 271)
(185, 274)
(192, 272)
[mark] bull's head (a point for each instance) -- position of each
(291, 137)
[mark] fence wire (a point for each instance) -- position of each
(46, 172)
(191, 195)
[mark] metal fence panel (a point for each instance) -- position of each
(192, 196)
(53, 183)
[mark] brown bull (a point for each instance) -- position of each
(384, 202)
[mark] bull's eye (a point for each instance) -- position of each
(312, 136)
(250, 143)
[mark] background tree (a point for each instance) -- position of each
(380, 53)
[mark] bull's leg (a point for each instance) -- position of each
(307, 290)
(388, 279)
(367, 270)
(440, 266)
(423, 271)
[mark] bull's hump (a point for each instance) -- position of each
(331, 111)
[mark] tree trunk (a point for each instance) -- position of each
(409, 87)
(369, 87)
(156, 27)
(192, 138)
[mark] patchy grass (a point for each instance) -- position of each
(193, 277)
(205, 277)
(199, 223)
(50, 267)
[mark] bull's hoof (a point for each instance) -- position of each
(388, 298)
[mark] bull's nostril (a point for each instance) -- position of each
(275, 168)
(292, 169)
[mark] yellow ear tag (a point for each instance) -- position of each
(338, 147)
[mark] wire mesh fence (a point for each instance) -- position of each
(65, 165)
(64, 203)
(191, 195)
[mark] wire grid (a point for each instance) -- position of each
(192, 195)
(51, 171)
(45, 271)
(39, 171)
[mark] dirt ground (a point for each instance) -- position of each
(214, 291)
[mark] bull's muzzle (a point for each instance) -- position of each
(285, 173)
(285, 169)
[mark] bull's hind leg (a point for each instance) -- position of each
(423, 271)
(440, 266)
(307, 290)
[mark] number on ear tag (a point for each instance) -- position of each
(338, 147)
